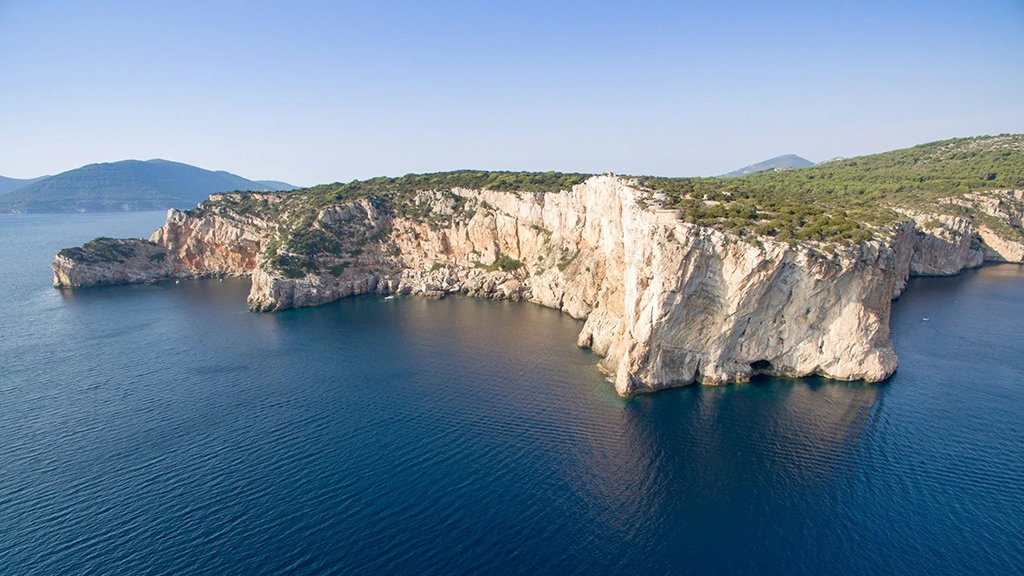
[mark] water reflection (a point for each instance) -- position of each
(658, 458)
(164, 429)
(673, 455)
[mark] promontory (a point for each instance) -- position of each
(680, 280)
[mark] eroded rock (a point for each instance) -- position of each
(666, 303)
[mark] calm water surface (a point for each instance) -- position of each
(165, 430)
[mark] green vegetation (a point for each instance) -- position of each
(846, 200)
(407, 186)
(839, 202)
(302, 238)
(294, 267)
(547, 233)
(505, 263)
(99, 250)
(566, 259)
(158, 257)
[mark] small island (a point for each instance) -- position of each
(680, 280)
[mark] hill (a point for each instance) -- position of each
(127, 185)
(843, 201)
(778, 163)
(276, 185)
(12, 184)
(851, 199)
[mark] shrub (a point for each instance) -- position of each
(503, 262)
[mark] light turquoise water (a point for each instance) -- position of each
(165, 430)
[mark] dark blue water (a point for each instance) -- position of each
(164, 430)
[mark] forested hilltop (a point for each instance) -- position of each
(847, 201)
(125, 185)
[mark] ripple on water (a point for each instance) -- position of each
(164, 430)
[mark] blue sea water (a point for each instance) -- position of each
(163, 429)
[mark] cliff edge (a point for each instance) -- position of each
(666, 302)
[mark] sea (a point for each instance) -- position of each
(164, 429)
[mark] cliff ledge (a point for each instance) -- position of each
(666, 302)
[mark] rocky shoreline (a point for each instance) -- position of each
(666, 303)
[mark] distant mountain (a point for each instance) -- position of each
(127, 185)
(275, 185)
(12, 184)
(836, 159)
(777, 163)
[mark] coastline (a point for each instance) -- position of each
(666, 303)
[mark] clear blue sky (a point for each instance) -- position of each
(312, 92)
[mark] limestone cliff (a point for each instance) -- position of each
(212, 245)
(1003, 212)
(105, 261)
(666, 303)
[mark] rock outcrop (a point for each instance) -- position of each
(666, 303)
(212, 245)
(1004, 210)
(944, 246)
(106, 261)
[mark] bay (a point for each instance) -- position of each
(164, 429)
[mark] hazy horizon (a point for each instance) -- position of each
(317, 92)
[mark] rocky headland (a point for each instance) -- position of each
(667, 302)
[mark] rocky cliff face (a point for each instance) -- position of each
(212, 244)
(106, 261)
(944, 245)
(1005, 211)
(666, 303)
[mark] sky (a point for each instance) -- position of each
(313, 92)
